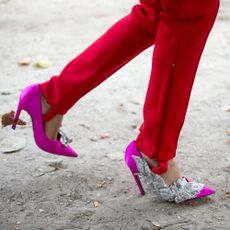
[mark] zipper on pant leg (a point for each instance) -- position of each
(167, 99)
(172, 71)
(163, 165)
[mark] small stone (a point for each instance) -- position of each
(69, 175)
(29, 159)
(208, 221)
(56, 164)
(133, 126)
(19, 203)
(135, 102)
(94, 139)
(12, 144)
(96, 204)
(156, 225)
(116, 156)
(102, 184)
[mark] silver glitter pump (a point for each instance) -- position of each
(179, 191)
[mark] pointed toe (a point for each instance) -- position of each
(206, 191)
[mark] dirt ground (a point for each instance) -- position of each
(96, 191)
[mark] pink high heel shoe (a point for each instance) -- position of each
(30, 101)
(180, 190)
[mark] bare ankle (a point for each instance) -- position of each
(150, 161)
(45, 105)
(173, 172)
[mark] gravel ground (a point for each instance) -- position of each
(96, 191)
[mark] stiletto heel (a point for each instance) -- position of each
(30, 101)
(129, 153)
(180, 190)
(17, 114)
(139, 185)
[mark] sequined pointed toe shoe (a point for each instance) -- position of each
(180, 190)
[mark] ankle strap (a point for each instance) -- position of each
(161, 168)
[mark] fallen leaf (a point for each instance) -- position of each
(45, 63)
(24, 61)
(8, 119)
(5, 93)
(13, 144)
(102, 184)
(227, 194)
(228, 131)
(226, 108)
(96, 204)
(133, 126)
(120, 108)
(104, 136)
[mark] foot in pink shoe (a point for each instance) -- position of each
(30, 101)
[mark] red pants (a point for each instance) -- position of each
(179, 30)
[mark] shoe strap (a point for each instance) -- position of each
(161, 168)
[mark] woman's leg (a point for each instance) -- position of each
(182, 33)
(122, 42)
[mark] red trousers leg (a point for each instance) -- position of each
(182, 33)
(182, 30)
(122, 42)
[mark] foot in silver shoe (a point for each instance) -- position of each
(179, 191)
